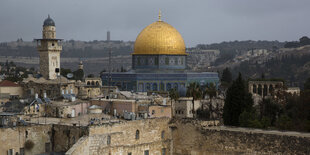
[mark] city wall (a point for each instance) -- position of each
(190, 137)
(80, 147)
(15, 138)
(64, 137)
(136, 137)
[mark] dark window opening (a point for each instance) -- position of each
(137, 134)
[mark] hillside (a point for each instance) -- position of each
(290, 64)
(71, 48)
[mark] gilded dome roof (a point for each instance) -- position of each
(159, 38)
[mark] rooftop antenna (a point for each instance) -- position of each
(109, 76)
(159, 16)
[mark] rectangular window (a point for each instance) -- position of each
(10, 152)
(22, 151)
(47, 147)
(146, 152)
(163, 151)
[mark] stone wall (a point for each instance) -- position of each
(80, 147)
(125, 137)
(190, 137)
(15, 138)
(64, 137)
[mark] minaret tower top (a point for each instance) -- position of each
(49, 50)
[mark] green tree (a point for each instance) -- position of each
(78, 74)
(209, 90)
(226, 76)
(174, 94)
(90, 75)
(307, 84)
(64, 72)
(238, 100)
(194, 91)
(304, 41)
(269, 110)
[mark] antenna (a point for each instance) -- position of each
(109, 76)
(159, 16)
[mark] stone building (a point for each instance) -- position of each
(293, 90)
(265, 88)
(183, 107)
(53, 89)
(158, 111)
(49, 50)
(10, 90)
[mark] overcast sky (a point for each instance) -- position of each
(198, 21)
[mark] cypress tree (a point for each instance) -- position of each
(237, 100)
(226, 76)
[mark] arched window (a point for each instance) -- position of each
(92, 83)
(254, 89)
(265, 90)
(154, 87)
(168, 86)
(176, 86)
(162, 134)
(271, 89)
(260, 89)
(97, 83)
(137, 134)
(88, 83)
(148, 87)
(109, 140)
(167, 61)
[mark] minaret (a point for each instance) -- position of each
(108, 36)
(81, 65)
(49, 50)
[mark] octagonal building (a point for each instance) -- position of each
(159, 63)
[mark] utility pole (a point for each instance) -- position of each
(109, 75)
(109, 80)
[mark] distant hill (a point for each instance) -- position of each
(290, 64)
(228, 50)
(71, 48)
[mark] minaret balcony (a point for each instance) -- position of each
(49, 48)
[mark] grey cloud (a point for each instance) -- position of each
(199, 21)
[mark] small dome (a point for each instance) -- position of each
(159, 38)
(49, 21)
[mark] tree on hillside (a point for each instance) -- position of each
(304, 41)
(210, 90)
(226, 76)
(64, 72)
(292, 44)
(307, 84)
(194, 91)
(78, 74)
(238, 100)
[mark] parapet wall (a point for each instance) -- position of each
(190, 137)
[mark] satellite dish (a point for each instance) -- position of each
(69, 75)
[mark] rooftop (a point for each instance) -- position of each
(6, 83)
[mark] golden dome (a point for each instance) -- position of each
(159, 38)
